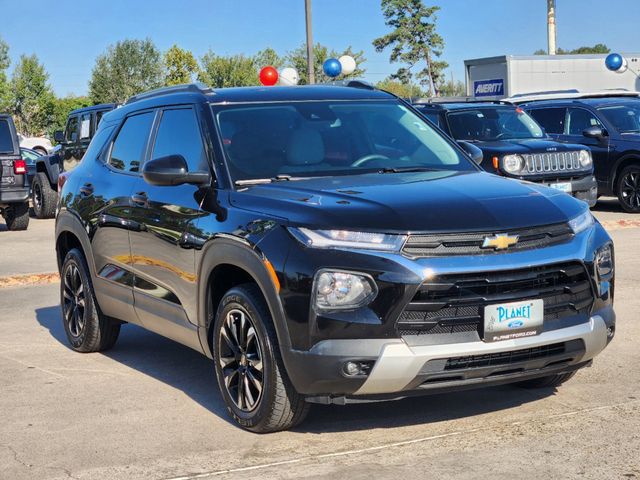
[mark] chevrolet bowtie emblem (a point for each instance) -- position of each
(500, 242)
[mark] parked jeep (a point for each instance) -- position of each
(514, 145)
(72, 144)
(325, 244)
(14, 185)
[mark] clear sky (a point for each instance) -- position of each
(67, 35)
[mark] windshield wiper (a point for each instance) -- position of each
(407, 169)
(260, 181)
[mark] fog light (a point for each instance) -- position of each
(604, 262)
(338, 290)
(611, 331)
(359, 368)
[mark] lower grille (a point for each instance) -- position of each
(504, 358)
(455, 303)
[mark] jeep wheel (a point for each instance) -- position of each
(547, 382)
(87, 329)
(251, 376)
(44, 197)
(17, 216)
(628, 189)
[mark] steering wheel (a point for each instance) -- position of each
(368, 158)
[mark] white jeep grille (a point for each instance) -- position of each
(552, 162)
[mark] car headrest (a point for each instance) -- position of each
(305, 147)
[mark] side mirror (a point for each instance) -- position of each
(474, 152)
(172, 170)
(595, 132)
(58, 136)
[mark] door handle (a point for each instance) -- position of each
(86, 189)
(140, 199)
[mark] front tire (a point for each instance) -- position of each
(87, 329)
(17, 216)
(249, 369)
(44, 197)
(547, 382)
(628, 189)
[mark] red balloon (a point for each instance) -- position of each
(268, 76)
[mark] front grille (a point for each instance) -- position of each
(471, 243)
(552, 162)
(455, 303)
(504, 358)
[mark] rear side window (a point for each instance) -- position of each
(129, 146)
(551, 119)
(85, 126)
(179, 134)
(6, 139)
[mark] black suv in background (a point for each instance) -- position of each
(14, 185)
(609, 124)
(324, 244)
(72, 144)
(514, 145)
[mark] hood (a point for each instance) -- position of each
(410, 202)
(527, 145)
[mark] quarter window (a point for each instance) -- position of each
(551, 119)
(179, 134)
(129, 146)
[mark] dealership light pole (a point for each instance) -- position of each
(310, 73)
(551, 26)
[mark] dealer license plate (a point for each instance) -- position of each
(563, 187)
(505, 321)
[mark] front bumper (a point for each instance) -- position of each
(585, 189)
(400, 369)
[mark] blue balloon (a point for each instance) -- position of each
(614, 62)
(332, 67)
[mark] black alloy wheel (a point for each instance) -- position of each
(73, 306)
(629, 189)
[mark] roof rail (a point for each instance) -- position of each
(570, 94)
(351, 83)
(185, 87)
(465, 99)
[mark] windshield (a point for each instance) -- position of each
(328, 138)
(625, 118)
(500, 123)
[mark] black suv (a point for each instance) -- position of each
(324, 244)
(14, 185)
(514, 145)
(72, 144)
(610, 126)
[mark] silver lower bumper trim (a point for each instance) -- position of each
(399, 364)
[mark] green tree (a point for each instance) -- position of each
(232, 71)
(597, 48)
(453, 88)
(413, 41)
(4, 84)
(125, 69)
(181, 66)
(269, 56)
(31, 98)
(298, 59)
(404, 90)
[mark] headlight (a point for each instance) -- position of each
(512, 164)
(581, 222)
(585, 158)
(348, 239)
(604, 262)
(340, 290)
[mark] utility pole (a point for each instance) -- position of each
(310, 73)
(551, 26)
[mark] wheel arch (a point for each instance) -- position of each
(628, 159)
(226, 263)
(71, 234)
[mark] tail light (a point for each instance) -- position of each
(62, 178)
(20, 167)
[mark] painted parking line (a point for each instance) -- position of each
(29, 279)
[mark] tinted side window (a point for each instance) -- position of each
(72, 128)
(129, 146)
(551, 119)
(580, 119)
(85, 126)
(179, 134)
(6, 139)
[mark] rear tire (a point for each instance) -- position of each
(250, 372)
(44, 197)
(17, 216)
(547, 382)
(87, 329)
(628, 189)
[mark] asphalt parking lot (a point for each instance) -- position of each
(150, 409)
